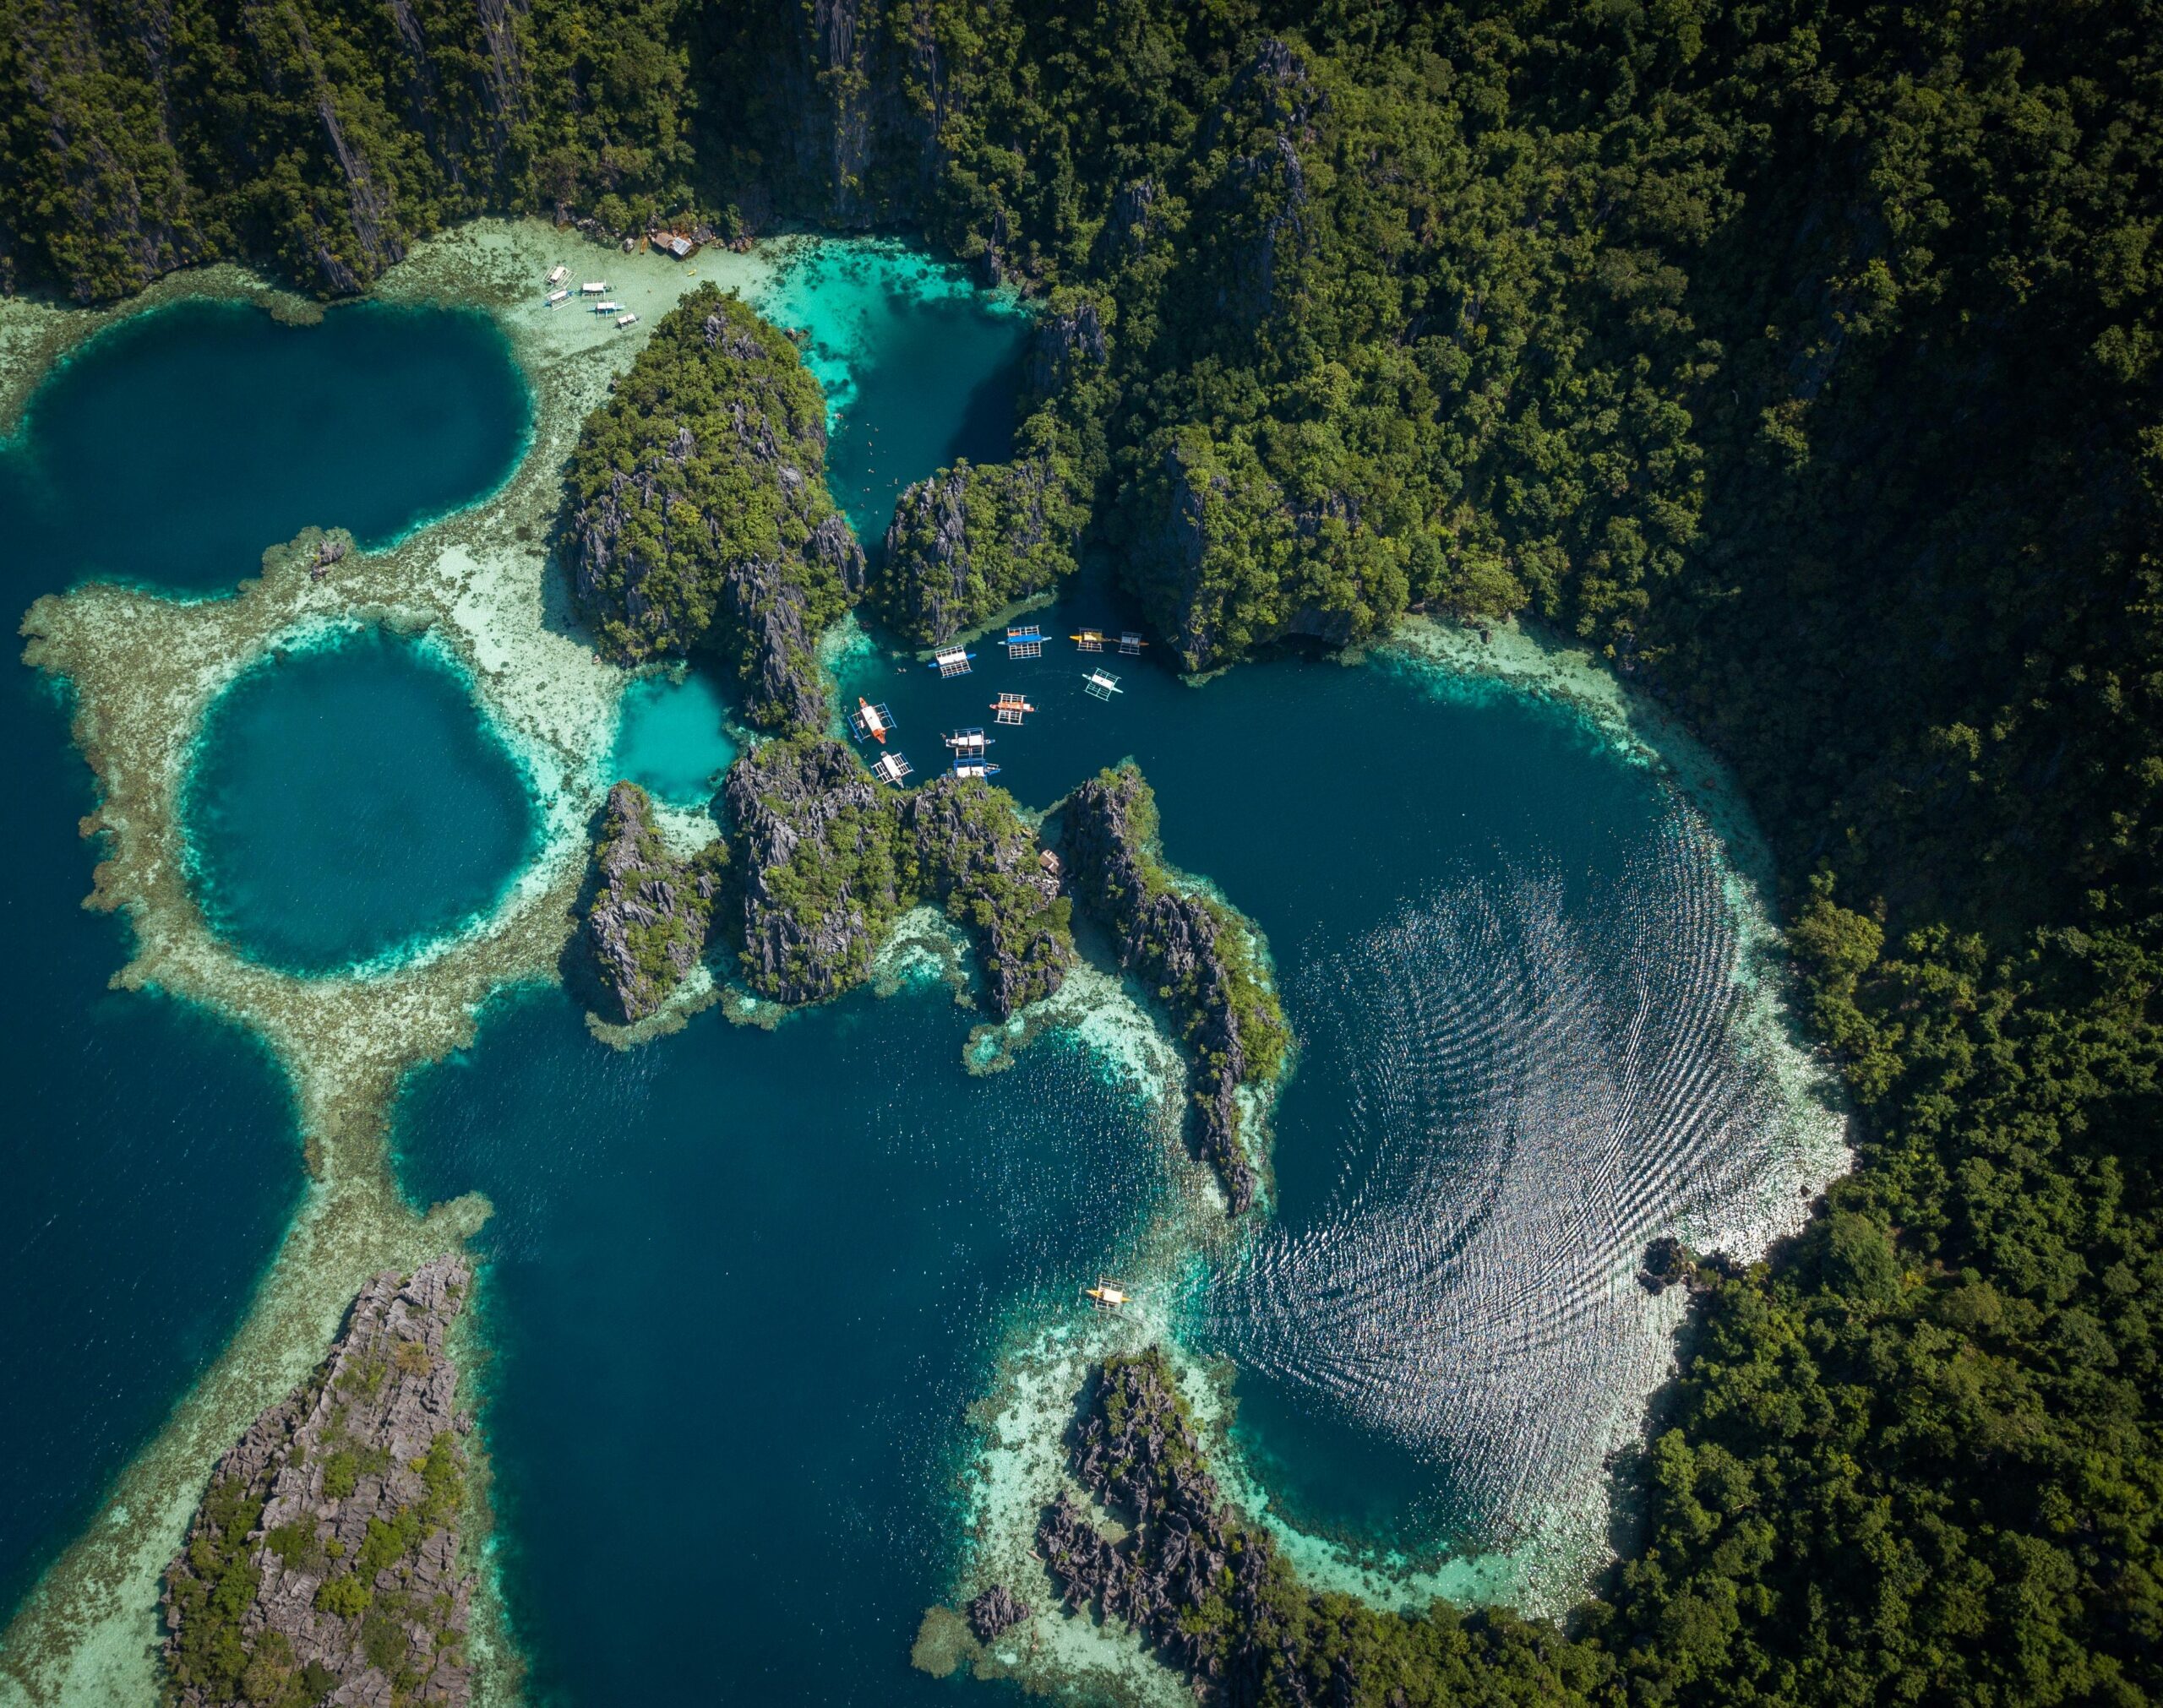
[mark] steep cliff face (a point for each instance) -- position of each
(828, 860)
(324, 1564)
(1189, 949)
(646, 926)
(815, 849)
(142, 140)
(971, 541)
(700, 517)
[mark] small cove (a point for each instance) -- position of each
(349, 802)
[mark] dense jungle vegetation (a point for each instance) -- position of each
(1802, 356)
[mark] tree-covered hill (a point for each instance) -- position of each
(1802, 356)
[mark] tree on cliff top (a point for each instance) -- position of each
(699, 516)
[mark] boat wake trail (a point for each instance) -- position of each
(1543, 1082)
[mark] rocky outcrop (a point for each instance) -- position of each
(323, 1563)
(964, 845)
(700, 518)
(1189, 949)
(971, 540)
(996, 1612)
(813, 843)
(1207, 1594)
(829, 859)
(646, 924)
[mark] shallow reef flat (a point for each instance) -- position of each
(142, 669)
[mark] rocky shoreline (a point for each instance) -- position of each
(1190, 949)
(323, 1565)
(827, 861)
(645, 926)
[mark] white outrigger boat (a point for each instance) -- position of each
(872, 723)
(624, 320)
(1101, 685)
(558, 274)
(891, 766)
(951, 661)
(607, 308)
(594, 287)
(556, 296)
(970, 759)
(1107, 1296)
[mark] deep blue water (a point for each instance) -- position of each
(175, 446)
(148, 1161)
(349, 802)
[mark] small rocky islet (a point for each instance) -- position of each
(324, 1563)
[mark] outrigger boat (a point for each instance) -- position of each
(1107, 1296)
(624, 320)
(1026, 642)
(951, 661)
(1088, 640)
(1008, 708)
(892, 767)
(870, 722)
(594, 287)
(970, 759)
(607, 308)
(1132, 644)
(559, 273)
(556, 296)
(1101, 685)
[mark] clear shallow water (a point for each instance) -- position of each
(672, 743)
(920, 367)
(172, 447)
(349, 801)
(148, 1162)
(740, 1289)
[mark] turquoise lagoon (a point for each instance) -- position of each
(349, 802)
(149, 1159)
(744, 1284)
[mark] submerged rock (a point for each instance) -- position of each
(700, 518)
(647, 924)
(323, 1563)
(829, 860)
(1191, 949)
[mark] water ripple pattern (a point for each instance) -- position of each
(1541, 1087)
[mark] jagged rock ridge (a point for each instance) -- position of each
(646, 926)
(828, 860)
(1187, 947)
(700, 518)
(324, 1562)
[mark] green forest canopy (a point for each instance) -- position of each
(1804, 359)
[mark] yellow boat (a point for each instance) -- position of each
(1106, 1296)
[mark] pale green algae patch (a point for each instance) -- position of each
(142, 668)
